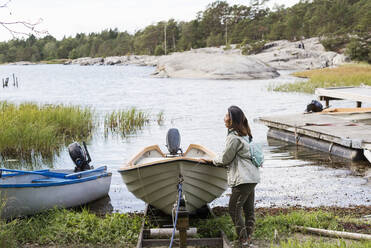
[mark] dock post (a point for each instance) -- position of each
(182, 224)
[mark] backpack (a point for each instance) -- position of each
(256, 151)
(314, 106)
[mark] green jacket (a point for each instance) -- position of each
(236, 158)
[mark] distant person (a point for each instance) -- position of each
(301, 45)
(243, 176)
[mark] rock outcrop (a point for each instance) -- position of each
(212, 64)
(22, 63)
(221, 63)
(117, 60)
(301, 55)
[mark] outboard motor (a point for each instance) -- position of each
(173, 141)
(80, 156)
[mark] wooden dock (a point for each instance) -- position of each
(343, 133)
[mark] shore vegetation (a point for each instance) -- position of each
(70, 228)
(160, 118)
(274, 228)
(30, 129)
(346, 75)
(125, 121)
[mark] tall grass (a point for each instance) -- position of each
(346, 75)
(30, 129)
(72, 228)
(126, 121)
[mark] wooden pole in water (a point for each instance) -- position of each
(13, 80)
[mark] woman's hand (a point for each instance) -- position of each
(206, 161)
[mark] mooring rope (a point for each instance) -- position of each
(176, 214)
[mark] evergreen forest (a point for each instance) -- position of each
(343, 25)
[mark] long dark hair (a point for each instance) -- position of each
(239, 121)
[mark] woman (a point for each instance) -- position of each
(242, 174)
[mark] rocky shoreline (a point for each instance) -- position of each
(222, 63)
(142, 60)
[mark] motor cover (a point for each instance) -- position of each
(173, 141)
(79, 157)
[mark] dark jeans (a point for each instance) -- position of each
(243, 198)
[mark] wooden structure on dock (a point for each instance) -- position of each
(157, 226)
(342, 132)
(357, 94)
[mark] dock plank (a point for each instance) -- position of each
(359, 94)
(344, 130)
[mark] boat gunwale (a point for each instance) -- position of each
(57, 183)
(132, 166)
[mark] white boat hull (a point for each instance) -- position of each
(156, 182)
(20, 201)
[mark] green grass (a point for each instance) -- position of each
(346, 75)
(72, 228)
(270, 227)
(294, 243)
(30, 129)
(265, 227)
(283, 224)
(126, 121)
(206, 227)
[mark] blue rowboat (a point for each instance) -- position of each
(29, 192)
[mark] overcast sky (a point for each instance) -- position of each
(68, 17)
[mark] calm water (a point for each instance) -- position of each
(291, 175)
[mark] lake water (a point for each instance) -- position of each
(291, 175)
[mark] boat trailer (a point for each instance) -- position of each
(157, 229)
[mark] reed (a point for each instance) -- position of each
(126, 121)
(346, 75)
(160, 118)
(29, 129)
